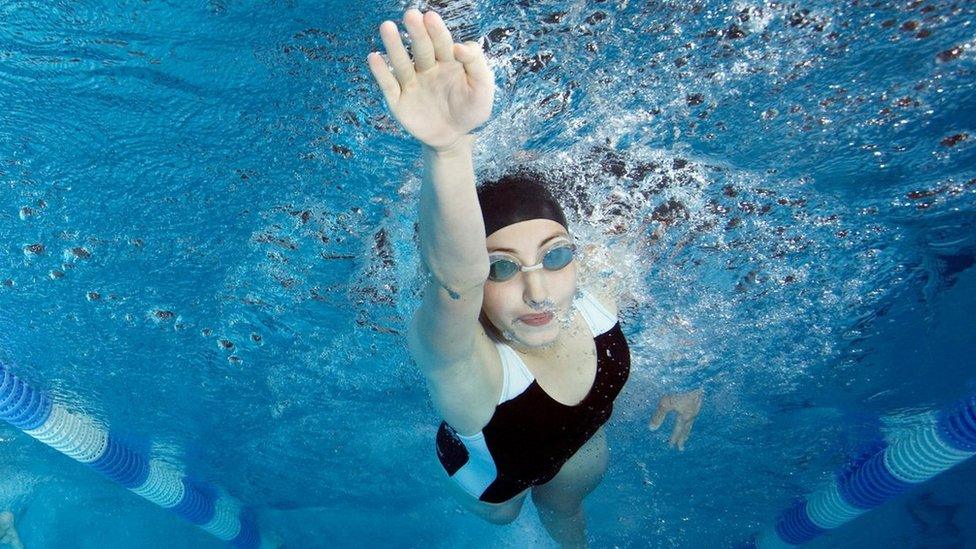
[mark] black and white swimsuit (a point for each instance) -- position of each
(531, 435)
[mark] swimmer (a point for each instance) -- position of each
(8, 534)
(522, 364)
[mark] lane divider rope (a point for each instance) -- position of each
(81, 438)
(946, 439)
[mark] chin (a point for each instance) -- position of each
(539, 338)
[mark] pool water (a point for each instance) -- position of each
(207, 222)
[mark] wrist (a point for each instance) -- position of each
(464, 145)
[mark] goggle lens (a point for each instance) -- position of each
(502, 269)
(555, 259)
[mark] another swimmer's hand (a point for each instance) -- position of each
(442, 94)
(687, 405)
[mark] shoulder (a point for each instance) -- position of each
(604, 295)
(602, 283)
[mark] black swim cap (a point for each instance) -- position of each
(515, 198)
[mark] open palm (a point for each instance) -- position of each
(444, 92)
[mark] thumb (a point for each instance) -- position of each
(658, 418)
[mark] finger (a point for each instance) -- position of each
(679, 425)
(440, 36)
(675, 435)
(665, 405)
(420, 44)
(475, 63)
(399, 58)
(384, 78)
(685, 433)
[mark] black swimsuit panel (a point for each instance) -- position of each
(531, 436)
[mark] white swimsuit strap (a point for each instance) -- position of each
(594, 313)
(516, 377)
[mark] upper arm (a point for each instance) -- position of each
(445, 326)
(457, 357)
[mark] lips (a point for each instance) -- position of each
(537, 320)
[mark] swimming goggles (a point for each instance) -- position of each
(505, 267)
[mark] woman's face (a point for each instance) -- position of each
(529, 308)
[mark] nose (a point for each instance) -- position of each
(534, 291)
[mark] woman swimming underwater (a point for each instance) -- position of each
(521, 362)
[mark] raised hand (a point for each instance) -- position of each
(687, 405)
(444, 92)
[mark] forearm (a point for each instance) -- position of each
(452, 232)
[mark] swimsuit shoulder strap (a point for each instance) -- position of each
(594, 313)
(516, 377)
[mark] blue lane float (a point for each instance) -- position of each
(82, 439)
(944, 440)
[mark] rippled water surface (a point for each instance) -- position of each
(207, 225)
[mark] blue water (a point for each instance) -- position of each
(207, 225)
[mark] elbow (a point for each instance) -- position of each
(460, 282)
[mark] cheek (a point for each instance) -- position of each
(565, 283)
(494, 300)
